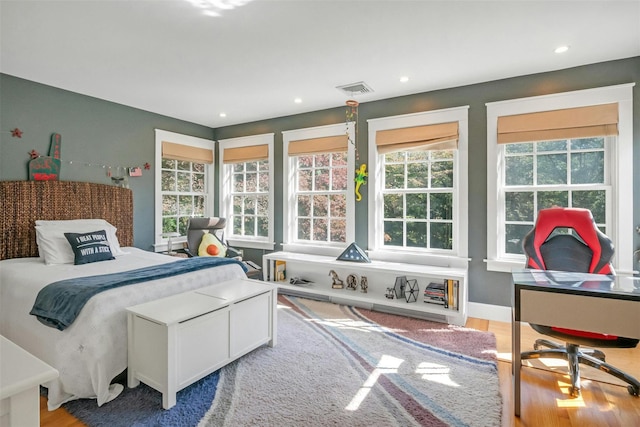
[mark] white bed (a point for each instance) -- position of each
(93, 350)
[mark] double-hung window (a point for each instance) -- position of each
(184, 183)
(565, 150)
(418, 187)
(318, 189)
(246, 190)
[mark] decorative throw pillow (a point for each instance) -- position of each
(89, 247)
(211, 246)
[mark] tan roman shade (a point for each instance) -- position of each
(327, 144)
(250, 153)
(186, 153)
(441, 136)
(581, 122)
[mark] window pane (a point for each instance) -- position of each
(552, 169)
(418, 175)
(168, 181)
(263, 182)
(417, 156)
(183, 166)
(169, 205)
(323, 160)
(441, 205)
(305, 161)
(338, 205)
(442, 175)
(304, 229)
(393, 207)
(441, 154)
(251, 182)
(519, 206)
(519, 170)
(198, 182)
(304, 206)
(262, 205)
(237, 205)
(251, 166)
(587, 168)
(263, 226)
(587, 143)
(339, 179)
(339, 159)
(183, 225)
(320, 205)
(320, 232)
(184, 182)
(237, 225)
(168, 164)
(249, 205)
(514, 235)
(322, 180)
(304, 180)
(552, 146)
(198, 167)
(185, 205)
(338, 230)
(238, 183)
(394, 157)
(594, 200)
(237, 167)
(249, 225)
(518, 148)
(441, 235)
(416, 206)
(394, 176)
(393, 233)
(416, 234)
(550, 199)
(198, 205)
(169, 224)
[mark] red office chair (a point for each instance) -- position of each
(590, 251)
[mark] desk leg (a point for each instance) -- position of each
(516, 365)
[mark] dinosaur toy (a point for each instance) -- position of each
(361, 178)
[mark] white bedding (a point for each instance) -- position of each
(93, 350)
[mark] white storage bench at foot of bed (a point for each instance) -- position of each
(175, 341)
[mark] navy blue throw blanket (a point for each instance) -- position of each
(59, 303)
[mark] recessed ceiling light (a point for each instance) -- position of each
(561, 49)
(404, 79)
(298, 101)
(223, 114)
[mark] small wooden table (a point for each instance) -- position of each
(21, 374)
(175, 341)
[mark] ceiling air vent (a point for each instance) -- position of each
(355, 88)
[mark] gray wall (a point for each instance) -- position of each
(98, 131)
(93, 131)
(484, 287)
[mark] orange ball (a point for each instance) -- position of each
(213, 250)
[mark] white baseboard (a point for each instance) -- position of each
(498, 313)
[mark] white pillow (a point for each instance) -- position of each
(53, 245)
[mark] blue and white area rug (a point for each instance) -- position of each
(333, 365)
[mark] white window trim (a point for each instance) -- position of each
(290, 242)
(459, 256)
(226, 188)
(160, 243)
(621, 228)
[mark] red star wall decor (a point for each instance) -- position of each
(16, 133)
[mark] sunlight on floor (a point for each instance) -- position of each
(569, 402)
(387, 365)
(436, 373)
(358, 325)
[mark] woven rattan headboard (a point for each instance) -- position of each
(24, 202)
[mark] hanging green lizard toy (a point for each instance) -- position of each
(361, 178)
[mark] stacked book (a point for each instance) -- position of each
(444, 293)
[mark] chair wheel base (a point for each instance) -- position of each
(633, 390)
(574, 391)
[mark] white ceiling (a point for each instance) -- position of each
(173, 58)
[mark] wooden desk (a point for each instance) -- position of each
(21, 374)
(589, 302)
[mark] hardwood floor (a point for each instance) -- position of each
(545, 398)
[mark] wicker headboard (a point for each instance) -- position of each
(24, 202)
